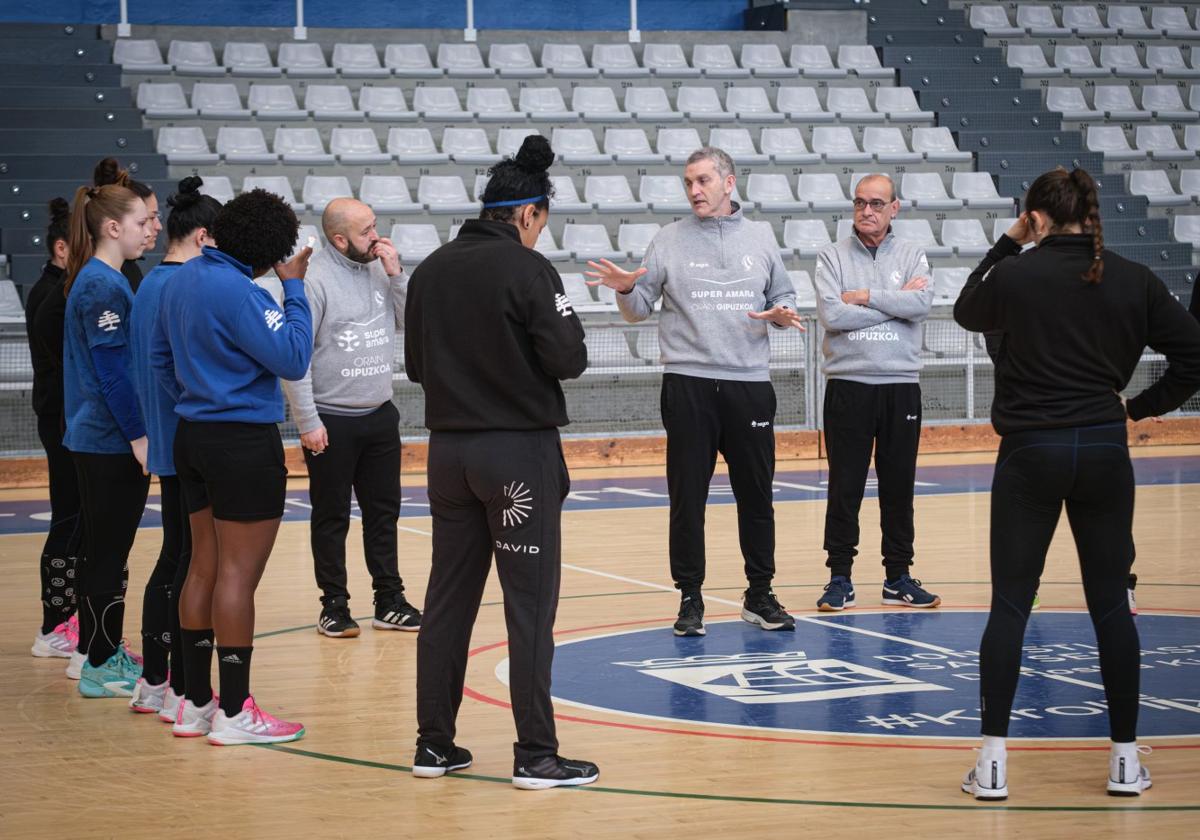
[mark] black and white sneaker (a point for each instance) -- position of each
(431, 762)
(335, 621)
(763, 609)
(691, 615)
(396, 613)
(553, 771)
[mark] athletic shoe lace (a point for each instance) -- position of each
(69, 630)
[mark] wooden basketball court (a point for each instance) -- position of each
(90, 768)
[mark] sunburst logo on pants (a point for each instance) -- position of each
(518, 504)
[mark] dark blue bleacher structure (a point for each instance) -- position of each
(962, 103)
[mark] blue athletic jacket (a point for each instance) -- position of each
(221, 343)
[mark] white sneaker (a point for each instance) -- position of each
(193, 722)
(75, 666)
(52, 644)
(148, 699)
(1128, 776)
(252, 726)
(170, 706)
(988, 779)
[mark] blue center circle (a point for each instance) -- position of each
(910, 674)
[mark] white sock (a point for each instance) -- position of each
(1128, 751)
(993, 749)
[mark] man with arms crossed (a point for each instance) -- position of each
(872, 295)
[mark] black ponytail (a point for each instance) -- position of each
(59, 228)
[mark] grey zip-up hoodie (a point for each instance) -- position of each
(356, 309)
(710, 273)
(879, 343)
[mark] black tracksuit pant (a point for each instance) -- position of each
(64, 540)
(860, 418)
(1089, 470)
(364, 456)
(113, 493)
(703, 417)
(491, 492)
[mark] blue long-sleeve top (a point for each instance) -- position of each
(100, 404)
(158, 406)
(221, 343)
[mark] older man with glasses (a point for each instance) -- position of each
(872, 295)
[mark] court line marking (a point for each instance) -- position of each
(827, 623)
(851, 736)
(756, 800)
(1025, 670)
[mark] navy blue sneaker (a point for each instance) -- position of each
(906, 591)
(839, 594)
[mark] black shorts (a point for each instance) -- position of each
(236, 468)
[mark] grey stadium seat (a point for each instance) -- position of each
(357, 146)
(851, 105)
(800, 103)
(194, 58)
(650, 104)
(302, 147)
(590, 242)
(439, 103)
(773, 194)
(567, 61)
(815, 62)
(664, 194)
(636, 238)
(244, 145)
(966, 236)
(385, 103)
(331, 102)
(410, 61)
(545, 103)
(617, 61)
(667, 61)
(927, 192)
(702, 103)
(863, 60)
(414, 146)
(304, 60)
(677, 143)
(319, 190)
(611, 194)
(978, 190)
(163, 101)
(786, 146)
(469, 145)
(219, 100)
(386, 194)
(630, 146)
(277, 184)
(415, 242)
(445, 194)
(716, 61)
(888, 146)
(806, 236)
(358, 61)
(566, 198)
(766, 61)
(276, 102)
(577, 147)
(218, 186)
(185, 145)
(139, 56)
(823, 192)
(249, 58)
(740, 146)
(597, 104)
(463, 61)
(836, 144)
(491, 105)
(751, 104)
(514, 61)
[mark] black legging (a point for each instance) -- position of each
(113, 491)
(160, 627)
(1036, 472)
(64, 540)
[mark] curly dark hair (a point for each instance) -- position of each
(190, 209)
(258, 228)
(522, 176)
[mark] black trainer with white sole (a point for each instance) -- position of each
(553, 771)
(396, 613)
(430, 762)
(336, 622)
(691, 616)
(764, 609)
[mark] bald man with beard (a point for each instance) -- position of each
(349, 428)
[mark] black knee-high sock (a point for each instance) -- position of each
(234, 666)
(107, 611)
(197, 663)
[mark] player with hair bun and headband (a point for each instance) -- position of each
(104, 428)
(1073, 320)
(489, 332)
(189, 230)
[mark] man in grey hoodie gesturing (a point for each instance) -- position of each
(872, 295)
(722, 283)
(349, 428)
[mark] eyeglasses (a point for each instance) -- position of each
(876, 204)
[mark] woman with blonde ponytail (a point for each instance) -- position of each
(105, 433)
(1073, 320)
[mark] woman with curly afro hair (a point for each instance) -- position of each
(219, 348)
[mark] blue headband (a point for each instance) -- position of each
(514, 202)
